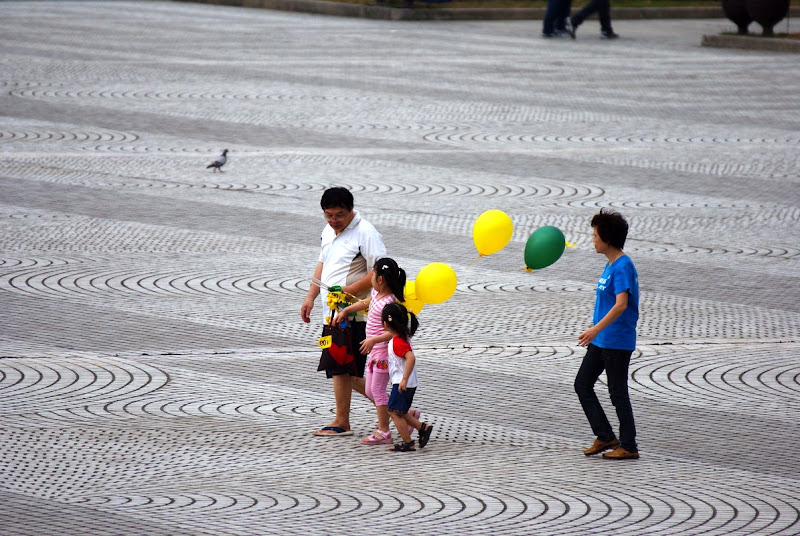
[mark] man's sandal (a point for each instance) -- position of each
(333, 431)
(403, 447)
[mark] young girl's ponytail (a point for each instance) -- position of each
(394, 275)
(400, 320)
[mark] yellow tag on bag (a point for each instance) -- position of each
(325, 342)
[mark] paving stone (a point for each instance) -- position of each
(155, 377)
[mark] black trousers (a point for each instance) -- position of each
(603, 10)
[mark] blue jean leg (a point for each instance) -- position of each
(615, 363)
(555, 15)
(591, 368)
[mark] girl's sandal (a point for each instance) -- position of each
(424, 434)
(403, 447)
(378, 438)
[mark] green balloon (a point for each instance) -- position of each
(544, 247)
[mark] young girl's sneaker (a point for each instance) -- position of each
(378, 438)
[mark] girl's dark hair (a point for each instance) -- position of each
(337, 197)
(611, 227)
(394, 275)
(400, 320)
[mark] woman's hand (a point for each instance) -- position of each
(586, 338)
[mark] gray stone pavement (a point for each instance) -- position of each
(155, 376)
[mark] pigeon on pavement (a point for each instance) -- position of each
(219, 162)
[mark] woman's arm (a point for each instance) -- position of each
(619, 307)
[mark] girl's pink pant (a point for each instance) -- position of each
(375, 382)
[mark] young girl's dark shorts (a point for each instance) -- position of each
(400, 402)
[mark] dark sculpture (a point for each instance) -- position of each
(736, 10)
(767, 13)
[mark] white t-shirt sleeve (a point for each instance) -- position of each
(372, 246)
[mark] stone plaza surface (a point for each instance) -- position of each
(156, 379)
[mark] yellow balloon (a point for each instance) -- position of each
(492, 231)
(412, 303)
(435, 283)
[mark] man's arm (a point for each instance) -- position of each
(313, 292)
(359, 286)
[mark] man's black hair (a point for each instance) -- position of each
(337, 197)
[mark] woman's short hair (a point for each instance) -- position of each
(611, 227)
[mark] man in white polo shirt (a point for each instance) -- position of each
(350, 247)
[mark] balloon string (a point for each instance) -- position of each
(523, 269)
(473, 262)
(320, 284)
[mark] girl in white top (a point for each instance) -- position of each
(402, 324)
(388, 282)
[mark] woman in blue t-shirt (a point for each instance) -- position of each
(611, 341)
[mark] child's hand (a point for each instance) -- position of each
(339, 318)
(366, 345)
(402, 386)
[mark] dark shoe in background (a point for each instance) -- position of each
(569, 28)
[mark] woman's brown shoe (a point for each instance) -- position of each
(599, 446)
(620, 453)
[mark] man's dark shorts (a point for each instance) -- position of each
(358, 332)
